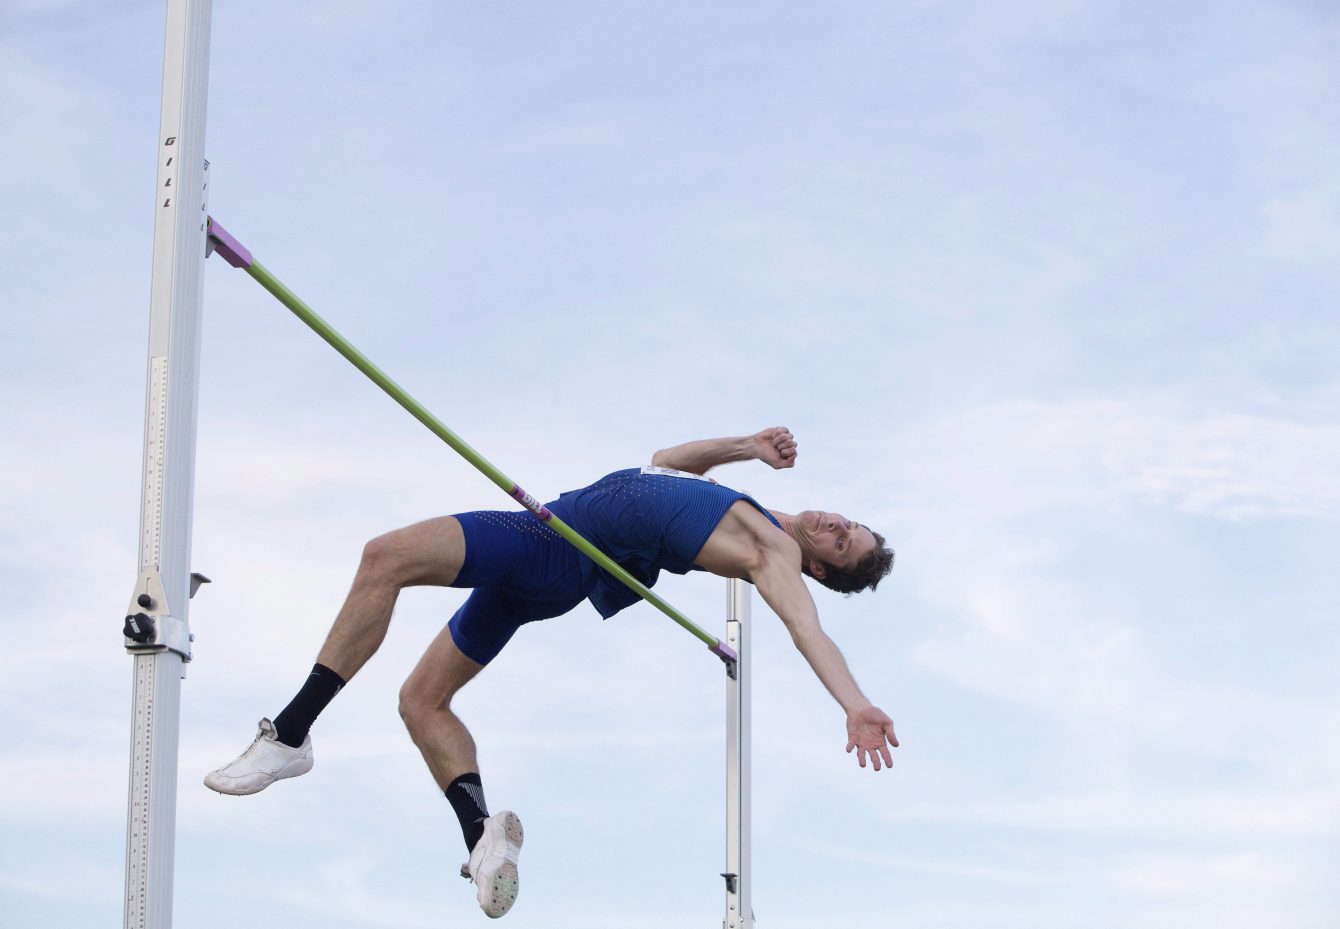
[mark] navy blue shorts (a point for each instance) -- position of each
(521, 571)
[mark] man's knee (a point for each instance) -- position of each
(379, 558)
(430, 687)
(389, 560)
(417, 703)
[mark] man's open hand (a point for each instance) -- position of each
(776, 447)
(871, 731)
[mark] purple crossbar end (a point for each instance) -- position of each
(233, 251)
(724, 652)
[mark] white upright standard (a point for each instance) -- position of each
(156, 631)
(739, 908)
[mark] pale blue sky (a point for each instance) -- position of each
(1047, 292)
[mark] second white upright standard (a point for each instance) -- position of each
(739, 908)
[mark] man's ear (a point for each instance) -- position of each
(817, 569)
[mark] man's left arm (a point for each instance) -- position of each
(775, 447)
(869, 729)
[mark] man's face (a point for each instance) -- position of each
(832, 539)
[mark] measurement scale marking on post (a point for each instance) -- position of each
(155, 452)
(137, 875)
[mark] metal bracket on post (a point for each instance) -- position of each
(729, 657)
(221, 241)
(150, 625)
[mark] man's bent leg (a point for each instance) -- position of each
(494, 842)
(430, 552)
(426, 553)
(425, 706)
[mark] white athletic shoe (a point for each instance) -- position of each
(492, 864)
(267, 760)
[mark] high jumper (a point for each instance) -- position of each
(664, 517)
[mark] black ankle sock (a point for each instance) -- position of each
(292, 725)
(466, 795)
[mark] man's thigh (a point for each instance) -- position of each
(429, 553)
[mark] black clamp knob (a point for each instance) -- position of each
(139, 627)
(145, 601)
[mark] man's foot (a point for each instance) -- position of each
(492, 864)
(266, 761)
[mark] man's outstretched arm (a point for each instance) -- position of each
(869, 729)
(775, 446)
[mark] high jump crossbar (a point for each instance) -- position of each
(239, 256)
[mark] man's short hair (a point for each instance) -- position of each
(865, 574)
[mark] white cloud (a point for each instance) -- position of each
(1020, 457)
(993, 504)
(349, 888)
(1156, 814)
(1202, 876)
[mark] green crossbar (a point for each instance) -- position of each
(239, 257)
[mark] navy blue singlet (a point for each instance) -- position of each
(647, 520)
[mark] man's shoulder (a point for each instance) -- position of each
(744, 540)
(747, 515)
